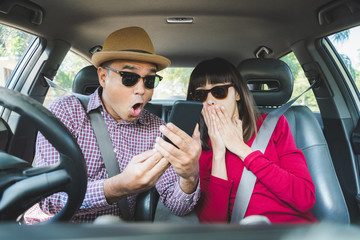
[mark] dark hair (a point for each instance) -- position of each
(107, 63)
(218, 70)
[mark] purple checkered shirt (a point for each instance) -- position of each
(128, 138)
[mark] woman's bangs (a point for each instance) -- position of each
(219, 78)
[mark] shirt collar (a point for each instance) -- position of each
(96, 102)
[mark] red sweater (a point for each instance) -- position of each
(284, 191)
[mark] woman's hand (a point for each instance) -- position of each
(231, 132)
(217, 144)
(218, 162)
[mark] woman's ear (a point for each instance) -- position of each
(241, 112)
(237, 96)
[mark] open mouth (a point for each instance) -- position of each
(136, 106)
(136, 109)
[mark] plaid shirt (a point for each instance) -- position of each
(128, 138)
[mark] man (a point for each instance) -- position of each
(127, 67)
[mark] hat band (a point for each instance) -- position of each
(138, 51)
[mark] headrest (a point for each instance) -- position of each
(269, 80)
(86, 81)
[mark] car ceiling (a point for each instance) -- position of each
(233, 29)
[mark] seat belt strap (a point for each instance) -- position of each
(107, 150)
(104, 142)
(248, 179)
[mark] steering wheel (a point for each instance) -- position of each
(22, 185)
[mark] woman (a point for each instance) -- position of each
(284, 191)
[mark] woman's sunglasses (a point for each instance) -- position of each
(130, 79)
(219, 92)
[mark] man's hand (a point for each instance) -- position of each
(185, 158)
(141, 174)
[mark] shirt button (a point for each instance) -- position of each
(115, 150)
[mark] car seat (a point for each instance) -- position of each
(330, 204)
(86, 81)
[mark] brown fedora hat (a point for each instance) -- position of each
(131, 43)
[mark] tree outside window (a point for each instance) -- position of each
(13, 45)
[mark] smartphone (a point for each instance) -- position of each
(185, 115)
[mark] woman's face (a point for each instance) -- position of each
(229, 102)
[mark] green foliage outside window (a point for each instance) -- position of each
(347, 44)
(301, 83)
(174, 83)
(13, 44)
(71, 65)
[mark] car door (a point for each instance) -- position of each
(343, 49)
(337, 96)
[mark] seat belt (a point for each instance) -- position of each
(248, 179)
(107, 150)
(104, 142)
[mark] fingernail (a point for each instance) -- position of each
(157, 139)
(162, 128)
(170, 126)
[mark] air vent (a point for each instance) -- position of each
(180, 20)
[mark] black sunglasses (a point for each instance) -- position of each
(219, 92)
(130, 79)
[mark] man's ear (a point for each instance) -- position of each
(102, 74)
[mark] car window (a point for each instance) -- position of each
(71, 65)
(13, 45)
(347, 45)
(174, 84)
(301, 83)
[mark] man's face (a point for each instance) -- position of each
(125, 103)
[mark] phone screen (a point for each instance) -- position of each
(185, 115)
